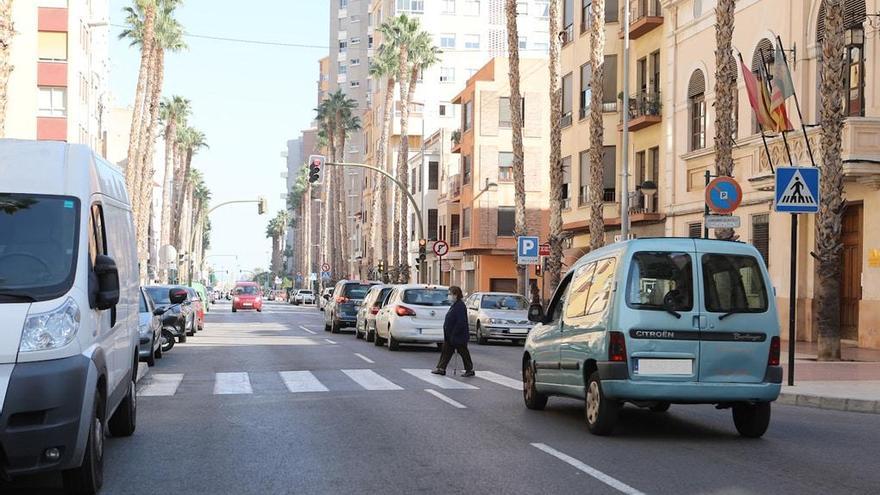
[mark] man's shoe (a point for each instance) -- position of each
(438, 371)
(467, 374)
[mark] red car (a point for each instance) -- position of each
(198, 306)
(246, 295)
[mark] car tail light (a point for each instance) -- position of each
(617, 347)
(341, 299)
(374, 310)
(773, 359)
(404, 311)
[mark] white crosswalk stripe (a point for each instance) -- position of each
(500, 379)
(160, 384)
(232, 383)
(439, 381)
(371, 380)
(302, 381)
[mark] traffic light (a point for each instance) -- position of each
(538, 270)
(423, 250)
(261, 205)
(381, 266)
(316, 163)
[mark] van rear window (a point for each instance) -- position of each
(661, 281)
(733, 284)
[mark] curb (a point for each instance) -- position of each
(830, 403)
(142, 371)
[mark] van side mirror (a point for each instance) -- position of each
(536, 313)
(177, 296)
(108, 282)
(326, 297)
(159, 311)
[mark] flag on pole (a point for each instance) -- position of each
(781, 88)
(781, 74)
(758, 99)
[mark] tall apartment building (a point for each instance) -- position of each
(348, 64)
(294, 161)
(469, 33)
(689, 127)
(59, 88)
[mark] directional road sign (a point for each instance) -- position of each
(325, 267)
(797, 189)
(441, 248)
(723, 195)
(527, 250)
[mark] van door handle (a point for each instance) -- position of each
(700, 321)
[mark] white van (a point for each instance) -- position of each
(69, 308)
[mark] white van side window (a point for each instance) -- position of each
(580, 291)
(97, 233)
(559, 299)
(600, 289)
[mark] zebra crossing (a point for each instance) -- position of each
(314, 381)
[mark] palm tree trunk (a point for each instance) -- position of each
(342, 203)
(403, 166)
(177, 199)
(6, 33)
(146, 182)
(379, 216)
(186, 155)
(597, 134)
(725, 91)
(554, 263)
(516, 120)
(168, 181)
(829, 244)
(133, 169)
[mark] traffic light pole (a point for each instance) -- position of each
(412, 200)
(192, 238)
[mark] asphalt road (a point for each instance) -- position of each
(264, 403)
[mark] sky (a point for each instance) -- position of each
(248, 99)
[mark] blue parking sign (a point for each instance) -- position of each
(527, 250)
(797, 189)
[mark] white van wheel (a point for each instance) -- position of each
(600, 412)
(751, 420)
(89, 476)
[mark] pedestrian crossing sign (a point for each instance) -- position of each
(797, 189)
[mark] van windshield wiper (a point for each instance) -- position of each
(730, 313)
(17, 296)
(673, 312)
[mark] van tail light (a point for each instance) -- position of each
(404, 311)
(617, 347)
(374, 310)
(341, 299)
(773, 359)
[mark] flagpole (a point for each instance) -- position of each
(760, 127)
(797, 104)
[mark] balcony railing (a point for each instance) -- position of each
(453, 185)
(644, 15)
(644, 109)
(454, 238)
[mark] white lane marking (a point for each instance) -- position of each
(232, 383)
(595, 473)
(365, 358)
(161, 384)
(445, 399)
(371, 380)
(330, 341)
(500, 379)
(301, 381)
(307, 330)
(438, 380)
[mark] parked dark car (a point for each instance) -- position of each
(150, 330)
(342, 307)
(178, 318)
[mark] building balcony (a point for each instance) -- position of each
(453, 185)
(456, 141)
(644, 16)
(644, 110)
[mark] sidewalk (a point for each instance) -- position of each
(852, 384)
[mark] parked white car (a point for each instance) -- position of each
(69, 306)
(412, 314)
(498, 315)
(304, 296)
(366, 317)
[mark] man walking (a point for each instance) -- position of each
(455, 335)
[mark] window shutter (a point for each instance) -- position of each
(761, 235)
(695, 230)
(697, 84)
(854, 15)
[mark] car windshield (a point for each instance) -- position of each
(306, 292)
(38, 246)
(159, 295)
(733, 284)
(661, 281)
(504, 301)
(249, 290)
(426, 297)
(355, 291)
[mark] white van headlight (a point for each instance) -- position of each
(51, 330)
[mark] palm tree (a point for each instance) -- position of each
(725, 93)
(190, 141)
(554, 263)
(173, 112)
(347, 123)
(399, 33)
(597, 134)
(516, 122)
(275, 231)
(6, 34)
(141, 20)
(829, 244)
(384, 65)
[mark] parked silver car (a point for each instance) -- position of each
(304, 296)
(150, 330)
(498, 315)
(366, 317)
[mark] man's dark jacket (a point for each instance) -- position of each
(455, 327)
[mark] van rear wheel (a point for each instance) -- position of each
(600, 411)
(752, 420)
